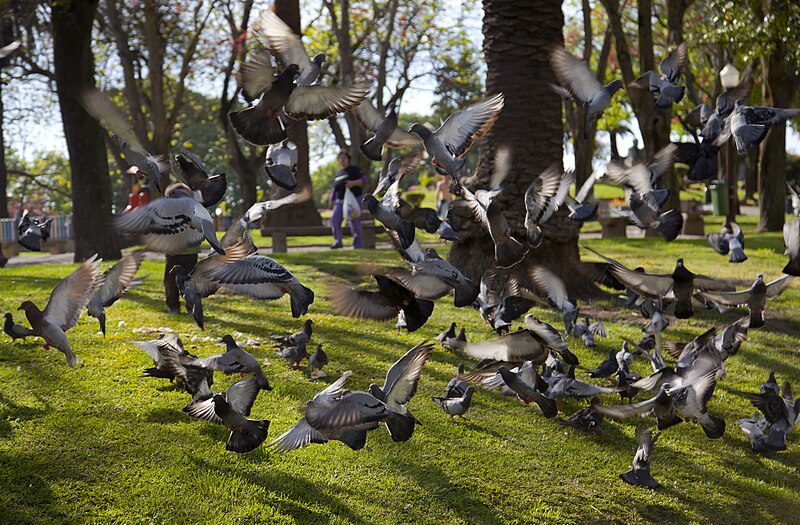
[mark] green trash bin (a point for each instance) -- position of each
(719, 197)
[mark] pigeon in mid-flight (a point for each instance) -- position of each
(279, 37)
(116, 281)
(750, 124)
(211, 186)
(639, 473)
(281, 164)
(543, 197)
(755, 297)
(576, 77)
(384, 129)
(32, 232)
(236, 361)
(729, 240)
(663, 87)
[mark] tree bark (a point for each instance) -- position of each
(91, 186)
(304, 213)
(3, 167)
(517, 35)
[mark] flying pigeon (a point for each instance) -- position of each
(116, 281)
(279, 37)
(398, 168)
(384, 129)
(211, 186)
(259, 209)
(543, 197)
(524, 383)
(448, 144)
(172, 361)
(639, 473)
(236, 361)
(641, 178)
(64, 308)
(749, 124)
(586, 419)
(385, 212)
(663, 88)
(514, 347)
(729, 240)
(576, 77)
(16, 331)
(281, 164)
(755, 297)
(761, 441)
(171, 224)
(31, 232)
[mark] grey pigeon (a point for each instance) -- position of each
(660, 406)
(303, 335)
(456, 387)
(171, 224)
(399, 387)
(579, 209)
(755, 297)
(231, 410)
(568, 386)
(645, 215)
(279, 37)
(212, 186)
(446, 334)
(524, 383)
(641, 178)
(427, 219)
(432, 265)
(293, 354)
(791, 238)
(456, 405)
(456, 343)
(281, 164)
(727, 99)
(576, 77)
(447, 145)
(729, 240)
(397, 168)
(385, 212)
(639, 473)
(770, 441)
(172, 361)
(586, 331)
(116, 281)
(553, 289)
(778, 405)
(257, 211)
(64, 308)
(607, 367)
(750, 124)
(550, 338)
(31, 232)
(187, 287)
(663, 88)
(514, 347)
(586, 419)
(263, 278)
(316, 361)
(384, 130)
(16, 331)
(543, 197)
(236, 361)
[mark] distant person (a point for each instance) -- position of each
(186, 258)
(443, 197)
(351, 177)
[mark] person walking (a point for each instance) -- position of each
(348, 177)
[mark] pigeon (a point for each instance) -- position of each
(432, 265)
(778, 405)
(552, 288)
(624, 384)
(235, 360)
(543, 197)
(700, 158)
(397, 168)
(456, 405)
(31, 232)
(279, 37)
(661, 406)
(16, 331)
(586, 331)
(639, 473)
(456, 343)
(514, 347)
(211, 186)
(382, 305)
(579, 209)
(64, 308)
(663, 87)
(755, 297)
(641, 178)
(116, 281)
(173, 362)
(524, 383)
(456, 387)
(645, 215)
(316, 361)
(385, 212)
(231, 410)
(607, 367)
(427, 219)
(172, 224)
(353, 434)
(281, 164)
(261, 124)
(682, 283)
(384, 130)
(791, 238)
(447, 334)
(568, 386)
(398, 389)
(550, 338)
(303, 335)
(749, 124)
(260, 277)
(293, 355)
(727, 99)
(773, 441)
(450, 142)
(108, 114)
(187, 287)
(729, 240)
(586, 419)
(576, 77)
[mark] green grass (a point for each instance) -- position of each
(101, 444)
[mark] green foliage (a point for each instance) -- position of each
(322, 180)
(43, 181)
(101, 444)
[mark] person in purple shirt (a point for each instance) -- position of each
(352, 177)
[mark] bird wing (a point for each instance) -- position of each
(791, 238)
(203, 410)
(403, 376)
(672, 65)
(108, 114)
(542, 191)
(361, 304)
(257, 74)
(242, 394)
(464, 127)
(705, 283)
(253, 269)
(320, 102)
(369, 117)
(636, 177)
(118, 278)
(502, 166)
(514, 347)
(648, 80)
(585, 189)
(333, 391)
(662, 161)
(169, 218)
(574, 74)
(550, 285)
(298, 436)
(647, 284)
(355, 409)
(731, 299)
(72, 294)
(776, 287)
(421, 285)
(477, 208)
(282, 39)
(640, 409)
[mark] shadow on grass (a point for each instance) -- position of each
(11, 411)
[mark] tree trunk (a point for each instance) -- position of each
(91, 186)
(517, 35)
(304, 213)
(3, 167)
(778, 91)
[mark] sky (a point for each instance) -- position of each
(31, 133)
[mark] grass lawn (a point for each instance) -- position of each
(101, 444)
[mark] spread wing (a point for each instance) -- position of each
(776, 287)
(111, 118)
(673, 64)
(257, 75)
(574, 74)
(166, 224)
(242, 394)
(321, 102)
(118, 279)
(298, 436)
(546, 193)
(254, 269)
(361, 304)
(464, 127)
(282, 39)
(650, 285)
(403, 376)
(72, 294)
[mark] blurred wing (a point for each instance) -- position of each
(464, 127)
(732, 299)
(350, 302)
(636, 177)
(776, 287)
(282, 39)
(254, 269)
(585, 189)
(257, 74)
(647, 284)
(403, 376)
(203, 410)
(502, 166)
(574, 74)
(368, 116)
(673, 64)
(242, 394)
(550, 285)
(421, 285)
(298, 436)
(321, 102)
(640, 409)
(118, 279)
(111, 118)
(72, 294)
(356, 409)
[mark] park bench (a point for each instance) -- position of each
(281, 234)
(611, 225)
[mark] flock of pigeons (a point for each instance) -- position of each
(533, 363)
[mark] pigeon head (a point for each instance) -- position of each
(422, 131)
(219, 399)
(292, 70)
(319, 59)
(28, 307)
(390, 110)
(228, 340)
(376, 391)
(679, 262)
(8, 316)
(308, 322)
